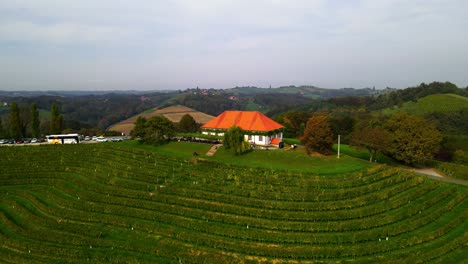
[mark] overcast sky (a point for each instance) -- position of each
(154, 44)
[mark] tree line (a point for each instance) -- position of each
(403, 137)
(24, 122)
(158, 130)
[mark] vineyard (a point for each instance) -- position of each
(111, 203)
(432, 103)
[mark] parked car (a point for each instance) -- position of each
(94, 138)
(34, 140)
(87, 138)
(101, 139)
(116, 139)
(19, 141)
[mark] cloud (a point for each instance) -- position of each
(332, 43)
(60, 33)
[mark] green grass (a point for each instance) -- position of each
(432, 103)
(452, 170)
(251, 106)
(278, 159)
(291, 141)
(148, 111)
(176, 149)
(125, 203)
(362, 154)
(292, 160)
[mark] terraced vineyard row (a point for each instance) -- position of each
(105, 203)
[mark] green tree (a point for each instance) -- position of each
(138, 130)
(461, 157)
(318, 135)
(55, 120)
(59, 124)
(234, 140)
(343, 126)
(158, 130)
(35, 123)
(68, 131)
(413, 139)
(294, 122)
(15, 123)
(2, 129)
(187, 124)
(25, 120)
(374, 139)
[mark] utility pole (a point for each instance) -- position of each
(338, 147)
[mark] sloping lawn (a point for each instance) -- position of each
(292, 160)
(361, 153)
(279, 159)
(178, 149)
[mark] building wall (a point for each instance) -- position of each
(262, 140)
(255, 139)
(213, 133)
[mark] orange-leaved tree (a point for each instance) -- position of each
(318, 135)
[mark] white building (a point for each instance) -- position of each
(260, 130)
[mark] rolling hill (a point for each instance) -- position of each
(432, 103)
(173, 113)
(107, 203)
(308, 91)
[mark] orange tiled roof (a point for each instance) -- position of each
(247, 120)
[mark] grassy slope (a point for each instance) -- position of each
(310, 92)
(251, 106)
(432, 103)
(361, 154)
(282, 159)
(177, 149)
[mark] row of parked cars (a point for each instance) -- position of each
(104, 139)
(22, 141)
(39, 140)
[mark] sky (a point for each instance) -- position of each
(160, 45)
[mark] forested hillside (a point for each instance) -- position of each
(100, 110)
(396, 122)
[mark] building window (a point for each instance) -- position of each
(250, 137)
(260, 138)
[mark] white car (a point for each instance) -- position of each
(101, 139)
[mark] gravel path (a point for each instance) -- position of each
(433, 174)
(213, 150)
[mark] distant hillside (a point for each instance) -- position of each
(93, 110)
(306, 91)
(432, 103)
(173, 113)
